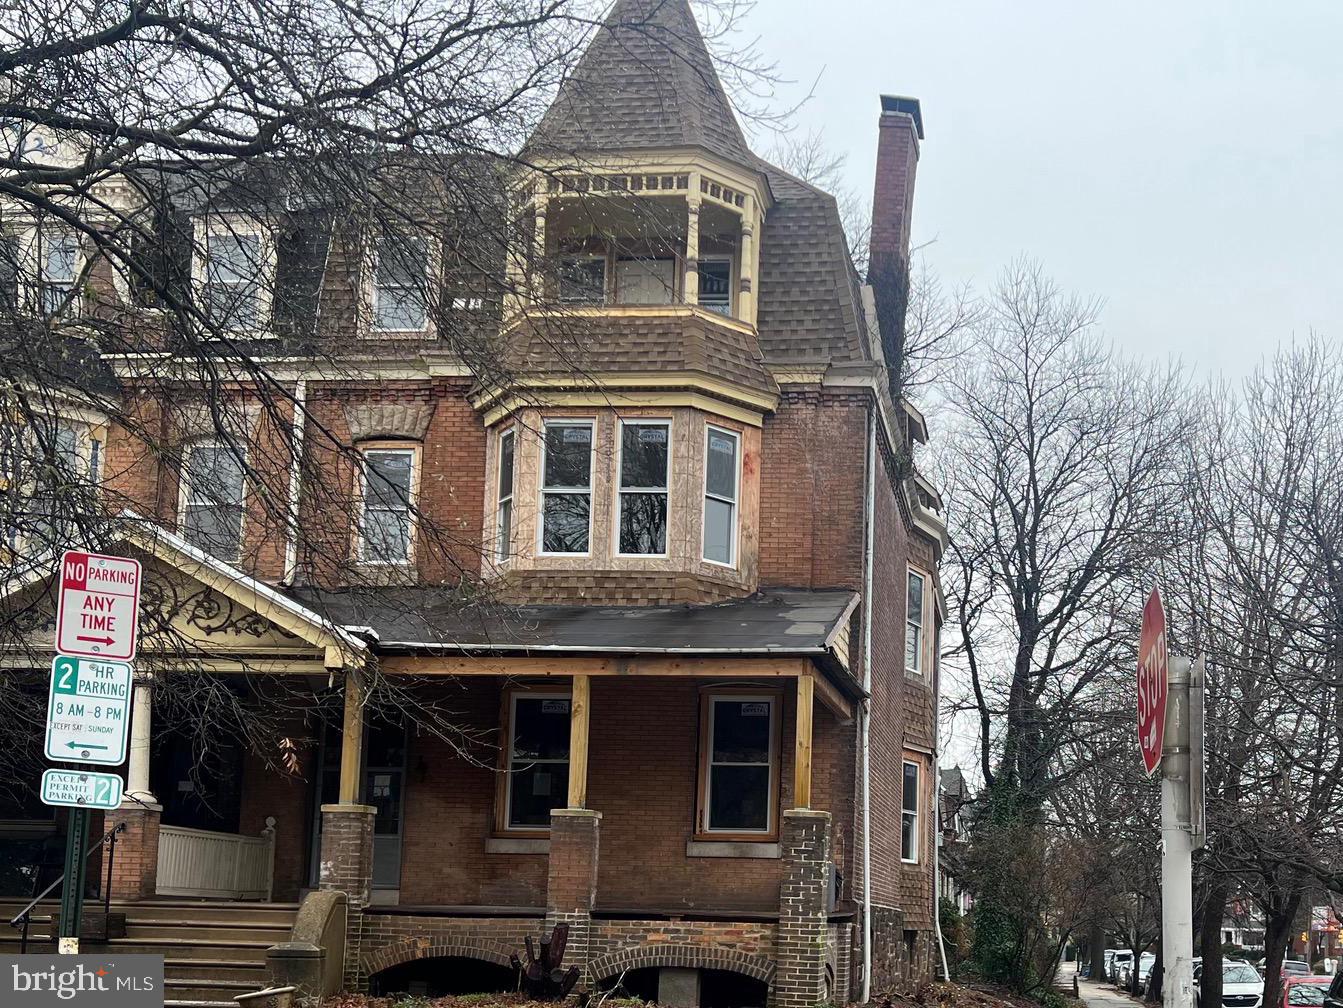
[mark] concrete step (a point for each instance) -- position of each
(205, 910)
(216, 969)
(206, 931)
(192, 948)
(177, 989)
(174, 1003)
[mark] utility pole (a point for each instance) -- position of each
(1177, 844)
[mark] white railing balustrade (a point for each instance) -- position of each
(201, 863)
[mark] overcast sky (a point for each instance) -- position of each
(1182, 161)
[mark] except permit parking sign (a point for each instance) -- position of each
(98, 606)
(88, 711)
(81, 789)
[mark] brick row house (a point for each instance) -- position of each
(686, 626)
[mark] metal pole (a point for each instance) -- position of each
(1177, 868)
(72, 894)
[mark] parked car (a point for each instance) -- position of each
(1120, 959)
(1333, 997)
(1295, 967)
(1305, 991)
(1242, 986)
(1145, 963)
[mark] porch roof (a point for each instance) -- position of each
(777, 622)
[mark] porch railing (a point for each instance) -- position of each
(201, 863)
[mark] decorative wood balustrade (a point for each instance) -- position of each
(205, 864)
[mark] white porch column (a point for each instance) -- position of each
(748, 262)
(142, 723)
(691, 286)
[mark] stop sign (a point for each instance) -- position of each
(1153, 682)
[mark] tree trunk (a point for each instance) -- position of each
(1210, 942)
(1096, 952)
(1277, 933)
(1158, 977)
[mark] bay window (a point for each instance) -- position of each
(909, 814)
(210, 515)
(566, 488)
(387, 497)
(739, 746)
(644, 461)
(914, 624)
(399, 284)
(537, 777)
(721, 485)
(503, 543)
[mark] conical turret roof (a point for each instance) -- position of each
(646, 80)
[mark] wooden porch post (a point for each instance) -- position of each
(352, 739)
(579, 711)
(802, 757)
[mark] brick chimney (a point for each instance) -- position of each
(901, 129)
(898, 137)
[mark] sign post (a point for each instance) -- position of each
(89, 704)
(1166, 725)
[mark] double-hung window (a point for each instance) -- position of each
(232, 292)
(583, 280)
(387, 498)
(715, 285)
(211, 514)
(644, 461)
(721, 487)
(914, 624)
(538, 759)
(566, 488)
(503, 542)
(740, 746)
(58, 263)
(645, 281)
(909, 814)
(400, 284)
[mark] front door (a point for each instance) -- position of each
(382, 785)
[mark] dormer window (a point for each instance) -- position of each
(210, 515)
(400, 284)
(234, 278)
(58, 262)
(583, 280)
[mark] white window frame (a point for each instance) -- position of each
(591, 424)
(607, 280)
(620, 491)
(361, 544)
(906, 814)
(430, 272)
(230, 225)
(734, 549)
(920, 662)
(705, 828)
(731, 284)
(503, 550)
(506, 814)
(184, 490)
(42, 234)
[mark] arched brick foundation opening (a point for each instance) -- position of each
(685, 956)
(451, 966)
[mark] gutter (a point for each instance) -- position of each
(865, 712)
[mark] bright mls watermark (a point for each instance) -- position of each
(39, 981)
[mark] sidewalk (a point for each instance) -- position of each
(1103, 996)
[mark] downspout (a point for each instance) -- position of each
(295, 481)
(865, 712)
(937, 807)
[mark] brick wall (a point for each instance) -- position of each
(135, 863)
(803, 929)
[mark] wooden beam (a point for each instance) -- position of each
(802, 756)
(579, 719)
(835, 701)
(352, 740)
(564, 666)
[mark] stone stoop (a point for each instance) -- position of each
(212, 951)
